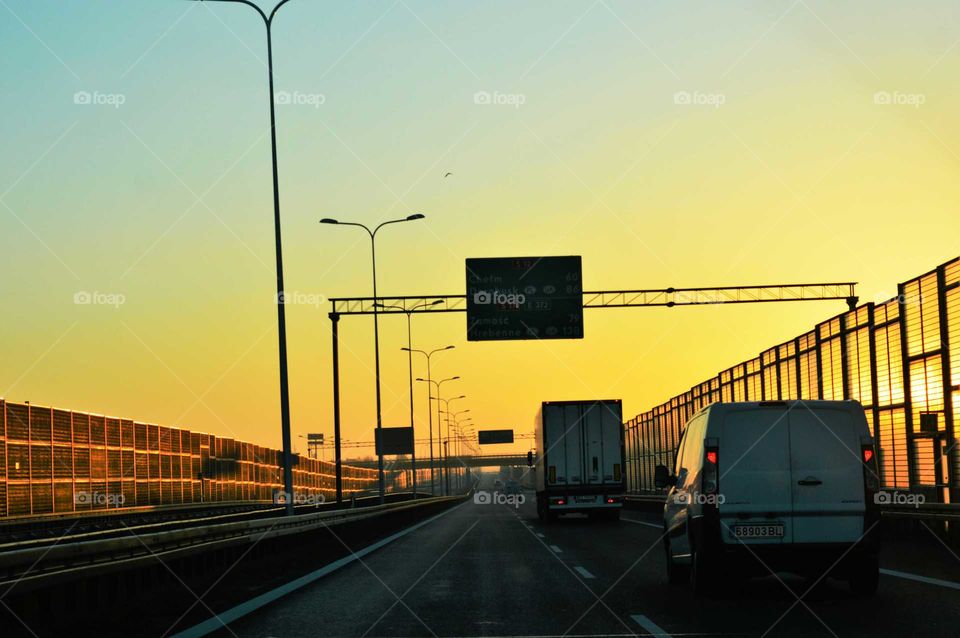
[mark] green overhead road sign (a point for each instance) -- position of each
(487, 437)
(512, 298)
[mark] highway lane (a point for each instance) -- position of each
(496, 570)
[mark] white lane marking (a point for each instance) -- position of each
(213, 624)
(540, 535)
(556, 549)
(920, 579)
(649, 625)
(583, 572)
(630, 520)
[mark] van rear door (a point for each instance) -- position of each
(755, 470)
(827, 474)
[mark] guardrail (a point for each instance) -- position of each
(33, 567)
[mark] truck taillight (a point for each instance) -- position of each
(710, 479)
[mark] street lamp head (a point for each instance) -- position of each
(410, 218)
(449, 347)
(418, 378)
(328, 220)
(456, 377)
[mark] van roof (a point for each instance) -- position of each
(813, 404)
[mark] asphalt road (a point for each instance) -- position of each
(495, 570)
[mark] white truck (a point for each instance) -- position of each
(580, 459)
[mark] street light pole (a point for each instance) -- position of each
(281, 315)
(446, 460)
(439, 425)
(376, 321)
(409, 312)
(429, 380)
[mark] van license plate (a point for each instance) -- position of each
(758, 531)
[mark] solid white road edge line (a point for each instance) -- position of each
(213, 624)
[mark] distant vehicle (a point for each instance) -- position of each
(512, 487)
(773, 486)
(580, 467)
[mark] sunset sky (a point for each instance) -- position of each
(668, 143)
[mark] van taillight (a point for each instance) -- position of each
(711, 468)
(871, 476)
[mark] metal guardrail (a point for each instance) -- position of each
(33, 567)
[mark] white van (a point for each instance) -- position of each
(773, 486)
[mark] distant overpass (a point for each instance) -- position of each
(484, 460)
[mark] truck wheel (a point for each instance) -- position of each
(676, 574)
(865, 575)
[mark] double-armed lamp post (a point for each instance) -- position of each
(429, 404)
(376, 323)
(409, 349)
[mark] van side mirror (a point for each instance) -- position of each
(529, 459)
(662, 477)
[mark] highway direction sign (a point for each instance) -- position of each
(487, 437)
(510, 298)
(394, 440)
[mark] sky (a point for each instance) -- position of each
(668, 143)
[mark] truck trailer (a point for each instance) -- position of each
(580, 459)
